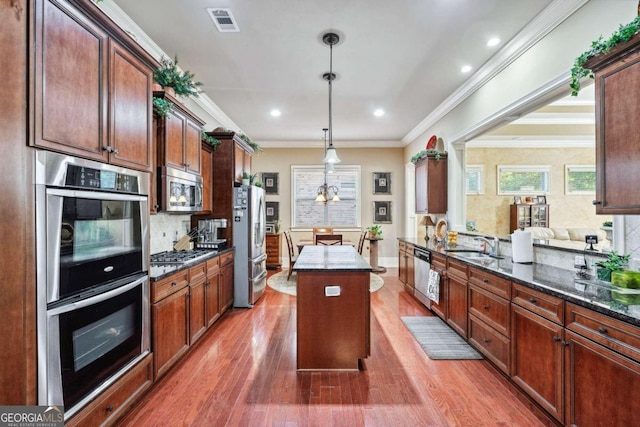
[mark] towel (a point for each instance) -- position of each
(433, 287)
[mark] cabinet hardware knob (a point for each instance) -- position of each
(115, 151)
(485, 280)
(109, 408)
(486, 340)
(557, 339)
(108, 149)
(156, 206)
(564, 343)
(486, 307)
(597, 202)
(173, 283)
(603, 330)
(533, 300)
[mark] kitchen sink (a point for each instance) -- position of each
(473, 255)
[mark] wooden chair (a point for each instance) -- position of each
(328, 239)
(321, 230)
(361, 241)
(292, 256)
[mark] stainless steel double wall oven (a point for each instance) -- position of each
(92, 228)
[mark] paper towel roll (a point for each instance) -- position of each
(522, 246)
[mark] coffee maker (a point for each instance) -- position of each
(208, 234)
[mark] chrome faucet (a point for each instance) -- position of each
(493, 244)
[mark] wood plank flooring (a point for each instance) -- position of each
(243, 373)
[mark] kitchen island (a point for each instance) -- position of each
(333, 311)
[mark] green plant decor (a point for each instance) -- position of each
(614, 262)
(374, 231)
(245, 175)
(599, 47)
(249, 141)
(213, 142)
(162, 107)
(419, 155)
(607, 224)
(168, 75)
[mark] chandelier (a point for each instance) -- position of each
(330, 155)
(327, 192)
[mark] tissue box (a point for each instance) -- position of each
(626, 279)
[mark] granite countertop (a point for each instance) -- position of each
(157, 272)
(334, 258)
(565, 284)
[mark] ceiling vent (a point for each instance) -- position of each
(224, 20)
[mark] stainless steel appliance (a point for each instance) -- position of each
(209, 234)
(250, 269)
(179, 257)
(180, 191)
(422, 265)
(92, 223)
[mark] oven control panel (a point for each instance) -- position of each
(80, 176)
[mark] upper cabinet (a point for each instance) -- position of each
(179, 137)
(617, 80)
(431, 184)
(91, 87)
(232, 158)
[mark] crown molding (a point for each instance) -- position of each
(529, 141)
(540, 26)
(338, 144)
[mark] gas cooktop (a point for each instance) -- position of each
(179, 257)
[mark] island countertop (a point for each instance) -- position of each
(335, 258)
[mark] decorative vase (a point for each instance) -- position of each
(604, 274)
(245, 181)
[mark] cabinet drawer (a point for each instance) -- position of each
(226, 258)
(490, 343)
(490, 282)
(198, 272)
(614, 334)
(458, 269)
(491, 308)
(438, 262)
(164, 287)
(213, 264)
(547, 306)
(118, 398)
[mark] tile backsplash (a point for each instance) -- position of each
(165, 229)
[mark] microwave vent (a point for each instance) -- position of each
(224, 20)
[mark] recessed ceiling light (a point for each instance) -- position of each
(493, 41)
(276, 113)
(465, 68)
(379, 112)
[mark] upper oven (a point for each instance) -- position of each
(180, 192)
(92, 225)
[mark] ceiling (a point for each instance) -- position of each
(404, 57)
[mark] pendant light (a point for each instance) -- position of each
(325, 189)
(330, 39)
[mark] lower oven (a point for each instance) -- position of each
(422, 265)
(90, 342)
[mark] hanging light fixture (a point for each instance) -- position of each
(330, 39)
(325, 191)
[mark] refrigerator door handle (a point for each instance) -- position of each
(259, 259)
(260, 276)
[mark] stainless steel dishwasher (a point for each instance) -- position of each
(422, 265)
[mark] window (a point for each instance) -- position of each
(523, 179)
(475, 179)
(579, 179)
(305, 181)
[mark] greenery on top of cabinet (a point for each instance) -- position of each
(168, 75)
(213, 142)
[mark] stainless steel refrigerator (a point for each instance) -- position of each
(250, 268)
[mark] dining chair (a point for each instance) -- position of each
(292, 256)
(328, 239)
(361, 241)
(321, 230)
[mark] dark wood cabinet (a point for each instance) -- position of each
(273, 246)
(92, 94)
(457, 301)
(431, 184)
(198, 321)
(527, 215)
(439, 265)
(226, 281)
(211, 291)
(406, 266)
(206, 171)
(537, 359)
(178, 137)
(617, 105)
(170, 328)
(230, 158)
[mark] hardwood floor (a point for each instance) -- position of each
(243, 373)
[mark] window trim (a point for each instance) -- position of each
(546, 169)
(320, 167)
(577, 168)
(479, 170)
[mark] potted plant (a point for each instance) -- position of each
(614, 262)
(375, 231)
(169, 76)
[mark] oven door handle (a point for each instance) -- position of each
(95, 195)
(97, 298)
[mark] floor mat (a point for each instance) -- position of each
(438, 340)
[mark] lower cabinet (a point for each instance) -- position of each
(406, 266)
(211, 291)
(226, 281)
(457, 301)
(170, 332)
(197, 311)
(439, 265)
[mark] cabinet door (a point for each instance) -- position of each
(457, 305)
(601, 386)
(212, 302)
(197, 321)
(175, 124)
(130, 110)
(192, 144)
(537, 365)
(246, 162)
(238, 162)
(410, 283)
(402, 266)
(206, 157)
(431, 185)
(170, 330)
(70, 82)
(539, 215)
(226, 286)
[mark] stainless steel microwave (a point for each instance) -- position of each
(180, 191)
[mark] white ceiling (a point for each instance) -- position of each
(403, 56)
